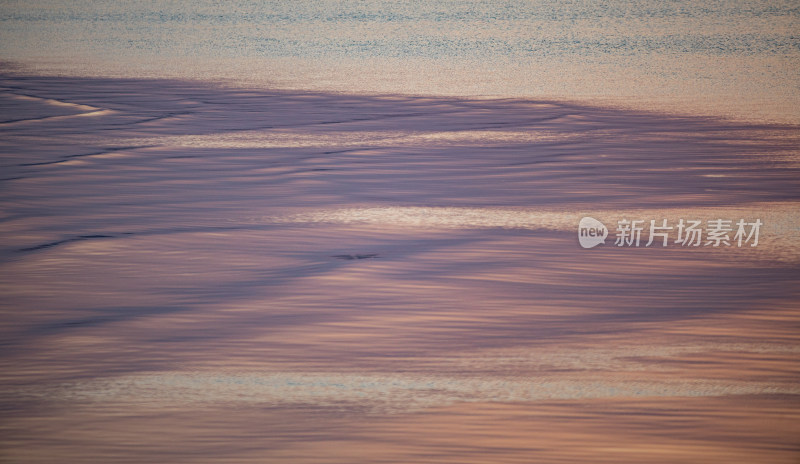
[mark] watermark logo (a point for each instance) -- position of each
(591, 232)
(686, 233)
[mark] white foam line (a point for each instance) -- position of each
(90, 111)
(54, 102)
(99, 112)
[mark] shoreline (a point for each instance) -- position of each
(715, 107)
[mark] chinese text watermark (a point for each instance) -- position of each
(686, 233)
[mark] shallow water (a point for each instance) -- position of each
(737, 59)
(194, 273)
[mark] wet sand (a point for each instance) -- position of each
(197, 273)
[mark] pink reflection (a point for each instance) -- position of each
(176, 260)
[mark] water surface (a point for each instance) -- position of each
(196, 273)
(737, 59)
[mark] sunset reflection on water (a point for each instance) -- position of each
(205, 274)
